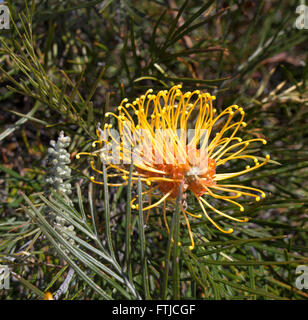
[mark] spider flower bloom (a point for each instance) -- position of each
(176, 139)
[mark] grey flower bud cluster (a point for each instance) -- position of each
(58, 160)
(58, 172)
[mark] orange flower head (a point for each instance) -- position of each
(177, 139)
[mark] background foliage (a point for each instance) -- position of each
(65, 63)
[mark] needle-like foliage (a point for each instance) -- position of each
(65, 65)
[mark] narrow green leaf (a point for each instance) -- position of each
(145, 277)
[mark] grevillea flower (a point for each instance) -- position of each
(175, 140)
